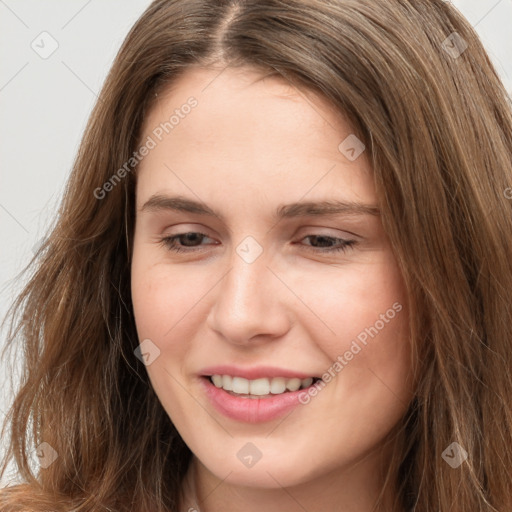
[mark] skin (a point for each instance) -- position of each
(250, 145)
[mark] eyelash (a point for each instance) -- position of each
(170, 242)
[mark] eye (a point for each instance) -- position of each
(191, 241)
(188, 239)
(338, 244)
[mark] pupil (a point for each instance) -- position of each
(317, 238)
(189, 237)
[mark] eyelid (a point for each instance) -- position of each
(343, 244)
(338, 233)
(327, 231)
(186, 227)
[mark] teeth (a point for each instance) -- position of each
(259, 387)
(278, 385)
(227, 383)
(307, 382)
(293, 384)
(239, 385)
(217, 380)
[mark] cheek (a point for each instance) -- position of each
(166, 305)
(369, 352)
(361, 303)
(164, 299)
(362, 401)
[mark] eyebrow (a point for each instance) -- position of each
(160, 202)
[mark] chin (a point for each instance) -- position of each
(270, 472)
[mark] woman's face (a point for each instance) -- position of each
(286, 275)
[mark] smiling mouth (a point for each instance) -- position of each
(260, 388)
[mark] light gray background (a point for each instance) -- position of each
(45, 104)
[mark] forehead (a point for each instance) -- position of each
(245, 100)
(247, 130)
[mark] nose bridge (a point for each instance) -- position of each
(245, 284)
(248, 297)
(249, 273)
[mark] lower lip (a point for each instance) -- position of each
(251, 410)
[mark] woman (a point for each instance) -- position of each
(342, 339)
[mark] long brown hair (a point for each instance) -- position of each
(415, 83)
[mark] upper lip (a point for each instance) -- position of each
(256, 372)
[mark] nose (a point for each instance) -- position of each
(250, 303)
